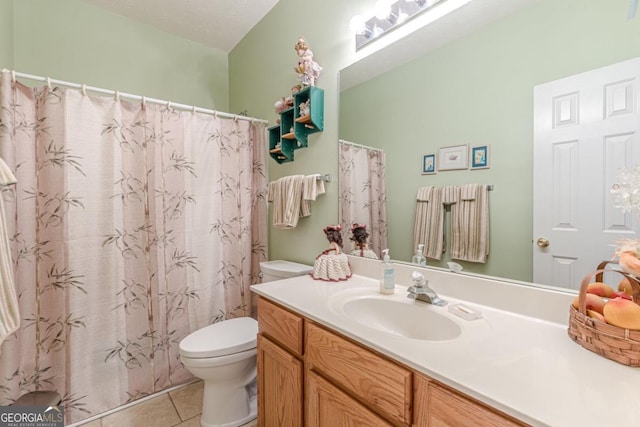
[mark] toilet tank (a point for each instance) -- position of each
(279, 270)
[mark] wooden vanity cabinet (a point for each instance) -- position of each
(383, 386)
(280, 367)
(438, 405)
(311, 376)
(328, 406)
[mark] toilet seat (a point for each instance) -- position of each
(221, 339)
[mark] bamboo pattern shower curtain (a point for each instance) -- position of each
(363, 196)
(131, 225)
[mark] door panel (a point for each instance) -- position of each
(585, 130)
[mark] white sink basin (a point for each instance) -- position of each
(409, 319)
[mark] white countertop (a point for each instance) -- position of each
(521, 364)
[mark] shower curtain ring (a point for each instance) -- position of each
(144, 101)
(13, 76)
(48, 82)
(117, 94)
(193, 110)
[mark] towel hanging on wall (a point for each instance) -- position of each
(429, 222)
(470, 223)
(292, 196)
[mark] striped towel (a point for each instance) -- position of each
(9, 313)
(312, 187)
(470, 223)
(429, 222)
(286, 195)
(292, 196)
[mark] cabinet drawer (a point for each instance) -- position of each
(281, 325)
(447, 408)
(382, 385)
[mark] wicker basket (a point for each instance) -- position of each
(618, 344)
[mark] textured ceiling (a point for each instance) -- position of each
(215, 23)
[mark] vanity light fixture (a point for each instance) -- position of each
(387, 16)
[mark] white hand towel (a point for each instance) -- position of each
(312, 187)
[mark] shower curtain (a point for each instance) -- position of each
(132, 224)
(363, 197)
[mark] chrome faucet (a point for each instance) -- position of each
(420, 291)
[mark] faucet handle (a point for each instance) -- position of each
(418, 279)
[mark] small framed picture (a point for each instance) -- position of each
(480, 157)
(454, 157)
(428, 164)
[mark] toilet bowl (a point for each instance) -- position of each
(223, 355)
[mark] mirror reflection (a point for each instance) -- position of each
(477, 91)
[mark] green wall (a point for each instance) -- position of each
(448, 97)
(445, 97)
(478, 90)
(74, 41)
(261, 71)
(6, 33)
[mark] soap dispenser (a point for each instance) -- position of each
(419, 258)
(388, 279)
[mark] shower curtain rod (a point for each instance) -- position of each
(85, 88)
(360, 145)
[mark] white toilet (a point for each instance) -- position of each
(223, 355)
(279, 270)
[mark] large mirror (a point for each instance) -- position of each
(477, 90)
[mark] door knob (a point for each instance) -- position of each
(542, 242)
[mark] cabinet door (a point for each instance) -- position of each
(328, 406)
(438, 406)
(380, 384)
(280, 382)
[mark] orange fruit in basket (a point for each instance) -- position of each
(623, 313)
(625, 286)
(594, 302)
(600, 289)
(595, 315)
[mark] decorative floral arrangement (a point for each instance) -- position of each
(626, 196)
(626, 192)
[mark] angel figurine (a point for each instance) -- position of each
(332, 264)
(308, 70)
(359, 236)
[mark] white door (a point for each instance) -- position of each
(585, 130)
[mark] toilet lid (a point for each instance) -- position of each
(221, 339)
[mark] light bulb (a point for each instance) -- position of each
(357, 25)
(402, 16)
(377, 32)
(382, 9)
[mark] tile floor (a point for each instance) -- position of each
(178, 408)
